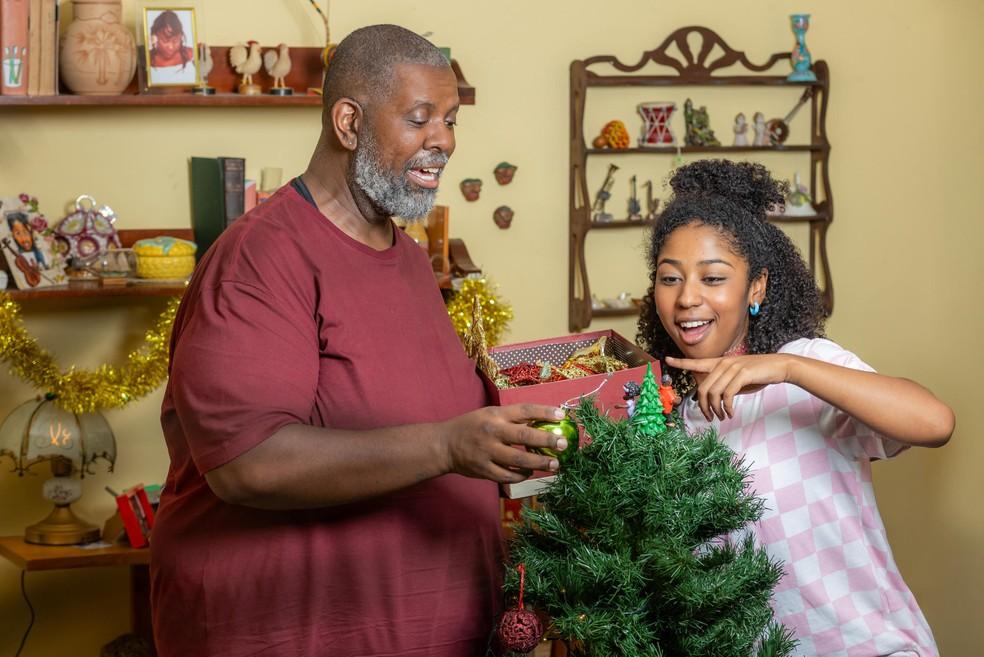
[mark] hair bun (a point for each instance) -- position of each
(746, 184)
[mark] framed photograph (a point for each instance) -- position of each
(169, 46)
(27, 246)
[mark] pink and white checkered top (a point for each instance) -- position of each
(841, 594)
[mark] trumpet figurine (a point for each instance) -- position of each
(635, 208)
(605, 193)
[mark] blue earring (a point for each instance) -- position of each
(753, 309)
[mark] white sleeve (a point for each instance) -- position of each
(851, 437)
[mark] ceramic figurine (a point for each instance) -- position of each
(798, 202)
(470, 188)
(205, 67)
(698, 125)
(656, 128)
(504, 173)
(605, 193)
(277, 65)
(741, 130)
(246, 61)
(631, 391)
(800, 57)
(503, 216)
(761, 134)
(652, 204)
(635, 208)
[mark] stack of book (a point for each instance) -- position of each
(29, 47)
(220, 194)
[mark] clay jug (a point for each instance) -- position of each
(98, 55)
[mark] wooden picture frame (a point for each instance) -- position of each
(170, 50)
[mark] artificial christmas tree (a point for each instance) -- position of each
(632, 550)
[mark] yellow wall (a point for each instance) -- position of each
(906, 169)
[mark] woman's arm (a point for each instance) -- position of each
(898, 409)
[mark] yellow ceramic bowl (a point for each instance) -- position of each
(164, 257)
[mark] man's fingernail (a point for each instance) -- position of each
(561, 444)
(554, 466)
(559, 413)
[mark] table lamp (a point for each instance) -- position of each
(39, 431)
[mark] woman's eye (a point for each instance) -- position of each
(668, 280)
(714, 280)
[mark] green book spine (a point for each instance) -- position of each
(207, 204)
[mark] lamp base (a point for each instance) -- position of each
(61, 527)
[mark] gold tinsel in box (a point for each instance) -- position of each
(606, 387)
(164, 257)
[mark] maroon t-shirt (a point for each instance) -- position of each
(288, 320)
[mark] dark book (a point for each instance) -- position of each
(207, 202)
(234, 186)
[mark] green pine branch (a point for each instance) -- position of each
(628, 551)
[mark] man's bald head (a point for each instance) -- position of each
(363, 65)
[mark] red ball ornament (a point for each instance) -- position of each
(520, 630)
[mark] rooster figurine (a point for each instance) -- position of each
(246, 63)
(277, 65)
(205, 67)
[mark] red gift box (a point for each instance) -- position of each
(607, 389)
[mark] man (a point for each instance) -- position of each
(332, 483)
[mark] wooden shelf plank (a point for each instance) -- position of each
(596, 80)
(615, 312)
(620, 223)
(671, 150)
(93, 289)
(27, 556)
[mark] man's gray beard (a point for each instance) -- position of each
(392, 194)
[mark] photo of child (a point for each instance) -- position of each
(170, 55)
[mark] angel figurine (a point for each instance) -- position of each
(761, 132)
(741, 128)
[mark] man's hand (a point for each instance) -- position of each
(480, 444)
(720, 379)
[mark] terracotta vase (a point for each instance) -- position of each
(98, 54)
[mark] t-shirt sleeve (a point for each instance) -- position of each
(244, 365)
(851, 437)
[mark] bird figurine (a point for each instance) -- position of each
(277, 65)
(246, 63)
(205, 67)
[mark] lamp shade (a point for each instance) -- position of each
(38, 431)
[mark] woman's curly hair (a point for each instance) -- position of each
(733, 198)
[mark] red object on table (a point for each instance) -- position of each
(137, 515)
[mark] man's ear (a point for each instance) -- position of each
(346, 121)
(758, 288)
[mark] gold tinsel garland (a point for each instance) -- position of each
(496, 313)
(85, 391)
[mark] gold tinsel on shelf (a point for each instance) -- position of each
(496, 313)
(85, 391)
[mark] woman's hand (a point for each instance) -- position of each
(720, 379)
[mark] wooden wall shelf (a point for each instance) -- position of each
(79, 289)
(306, 73)
(701, 66)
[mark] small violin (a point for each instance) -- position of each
(32, 274)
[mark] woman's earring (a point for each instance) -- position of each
(753, 309)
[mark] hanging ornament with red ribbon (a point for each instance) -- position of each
(520, 629)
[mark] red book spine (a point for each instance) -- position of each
(13, 47)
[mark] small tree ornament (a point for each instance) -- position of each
(648, 416)
(520, 629)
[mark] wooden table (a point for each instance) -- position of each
(27, 556)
